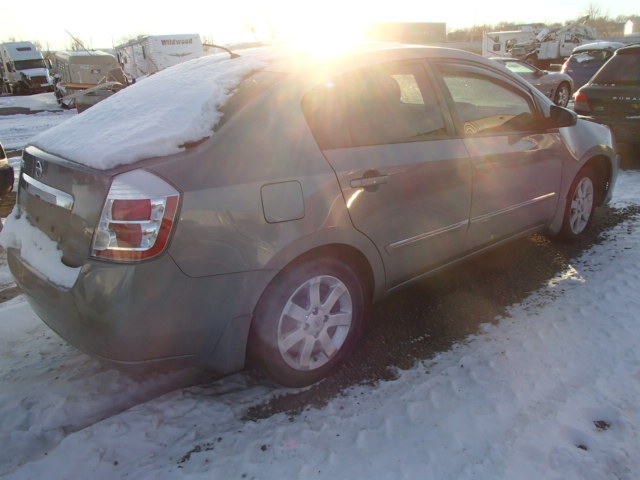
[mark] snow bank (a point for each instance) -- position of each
(550, 392)
(36, 103)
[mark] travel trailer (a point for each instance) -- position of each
(151, 53)
(22, 69)
(89, 75)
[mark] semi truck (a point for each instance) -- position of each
(22, 69)
(149, 54)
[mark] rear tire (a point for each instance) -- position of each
(581, 203)
(307, 321)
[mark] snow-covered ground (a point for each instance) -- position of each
(549, 392)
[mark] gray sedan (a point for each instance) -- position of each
(258, 220)
(555, 85)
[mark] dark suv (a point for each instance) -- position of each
(612, 96)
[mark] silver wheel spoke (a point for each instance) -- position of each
(339, 320)
(292, 339)
(314, 291)
(333, 297)
(328, 347)
(305, 354)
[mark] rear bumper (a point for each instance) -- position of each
(148, 314)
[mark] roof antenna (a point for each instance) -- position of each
(231, 54)
(78, 42)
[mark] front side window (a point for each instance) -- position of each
(373, 106)
(486, 106)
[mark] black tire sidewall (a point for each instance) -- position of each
(263, 351)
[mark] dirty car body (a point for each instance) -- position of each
(324, 184)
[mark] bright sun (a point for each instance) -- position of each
(327, 34)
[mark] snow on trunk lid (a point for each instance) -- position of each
(63, 200)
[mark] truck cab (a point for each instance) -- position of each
(23, 69)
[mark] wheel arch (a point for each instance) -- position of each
(345, 253)
(603, 170)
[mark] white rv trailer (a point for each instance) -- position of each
(151, 53)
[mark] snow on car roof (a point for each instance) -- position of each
(179, 105)
(154, 117)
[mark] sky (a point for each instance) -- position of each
(547, 391)
(103, 25)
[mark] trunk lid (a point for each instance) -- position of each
(614, 101)
(63, 199)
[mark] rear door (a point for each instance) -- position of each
(405, 178)
(516, 165)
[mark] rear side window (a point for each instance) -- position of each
(486, 106)
(373, 106)
(623, 69)
(249, 89)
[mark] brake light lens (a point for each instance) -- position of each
(137, 218)
(581, 103)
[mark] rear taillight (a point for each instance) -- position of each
(581, 103)
(137, 218)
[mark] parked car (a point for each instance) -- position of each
(587, 59)
(256, 214)
(612, 96)
(555, 85)
(6, 173)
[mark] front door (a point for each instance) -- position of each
(516, 165)
(406, 181)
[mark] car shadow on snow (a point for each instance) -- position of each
(429, 317)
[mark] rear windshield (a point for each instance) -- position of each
(620, 70)
(591, 56)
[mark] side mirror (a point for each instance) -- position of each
(561, 117)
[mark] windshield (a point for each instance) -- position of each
(620, 70)
(27, 64)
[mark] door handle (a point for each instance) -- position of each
(365, 182)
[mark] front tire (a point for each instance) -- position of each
(307, 321)
(581, 203)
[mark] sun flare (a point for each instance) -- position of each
(329, 34)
